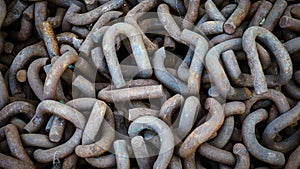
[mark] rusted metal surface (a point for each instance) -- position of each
(34, 77)
(175, 162)
(168, 22)
(70, 162)
(19, 123)
(275, 14)
(191, 14)
(81, 31)
(254, 147)
(134, 93)
(292, 46)
(138, 49)
(164, 133)
(261, 12)
(226, 12)
(211, 27)
(288, 34)
(293, 161)
(237, 16)
(57, 129)
(26, 25)
(68, 57)
(36, 140)
(84, 86)
(139, 112)
(136, 12)
(94, 122)
(189, 162)
(10, 162)
(235, 107)
(218, 74)
(60, 151)
(59, 109)
(49, 39)
(188, 116)
(197, 64)
(149, 84)
(122, 157)
(274, 127)
(40, 14)
(99, 147)
(15, 108)
(295, 12)
(105, 161)
(172, 82)
(14, 143)
(57, 19)
(88, 44)
(8, 47)
(234, 72)
(204, 131)
(297, 76)
(292, 89)
(243, 158)
(69, 38)
(281, 55)
(289, 23)
(91, 16)
(21, 76)
(141, 153)
(169, 107)
(14, 12)
(216, 154)
(19, 61)
(277, 97)
(176, 5)
(224, 133)
(213, 12)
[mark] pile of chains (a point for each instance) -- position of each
(149, 84)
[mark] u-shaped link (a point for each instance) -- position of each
(138, 49)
